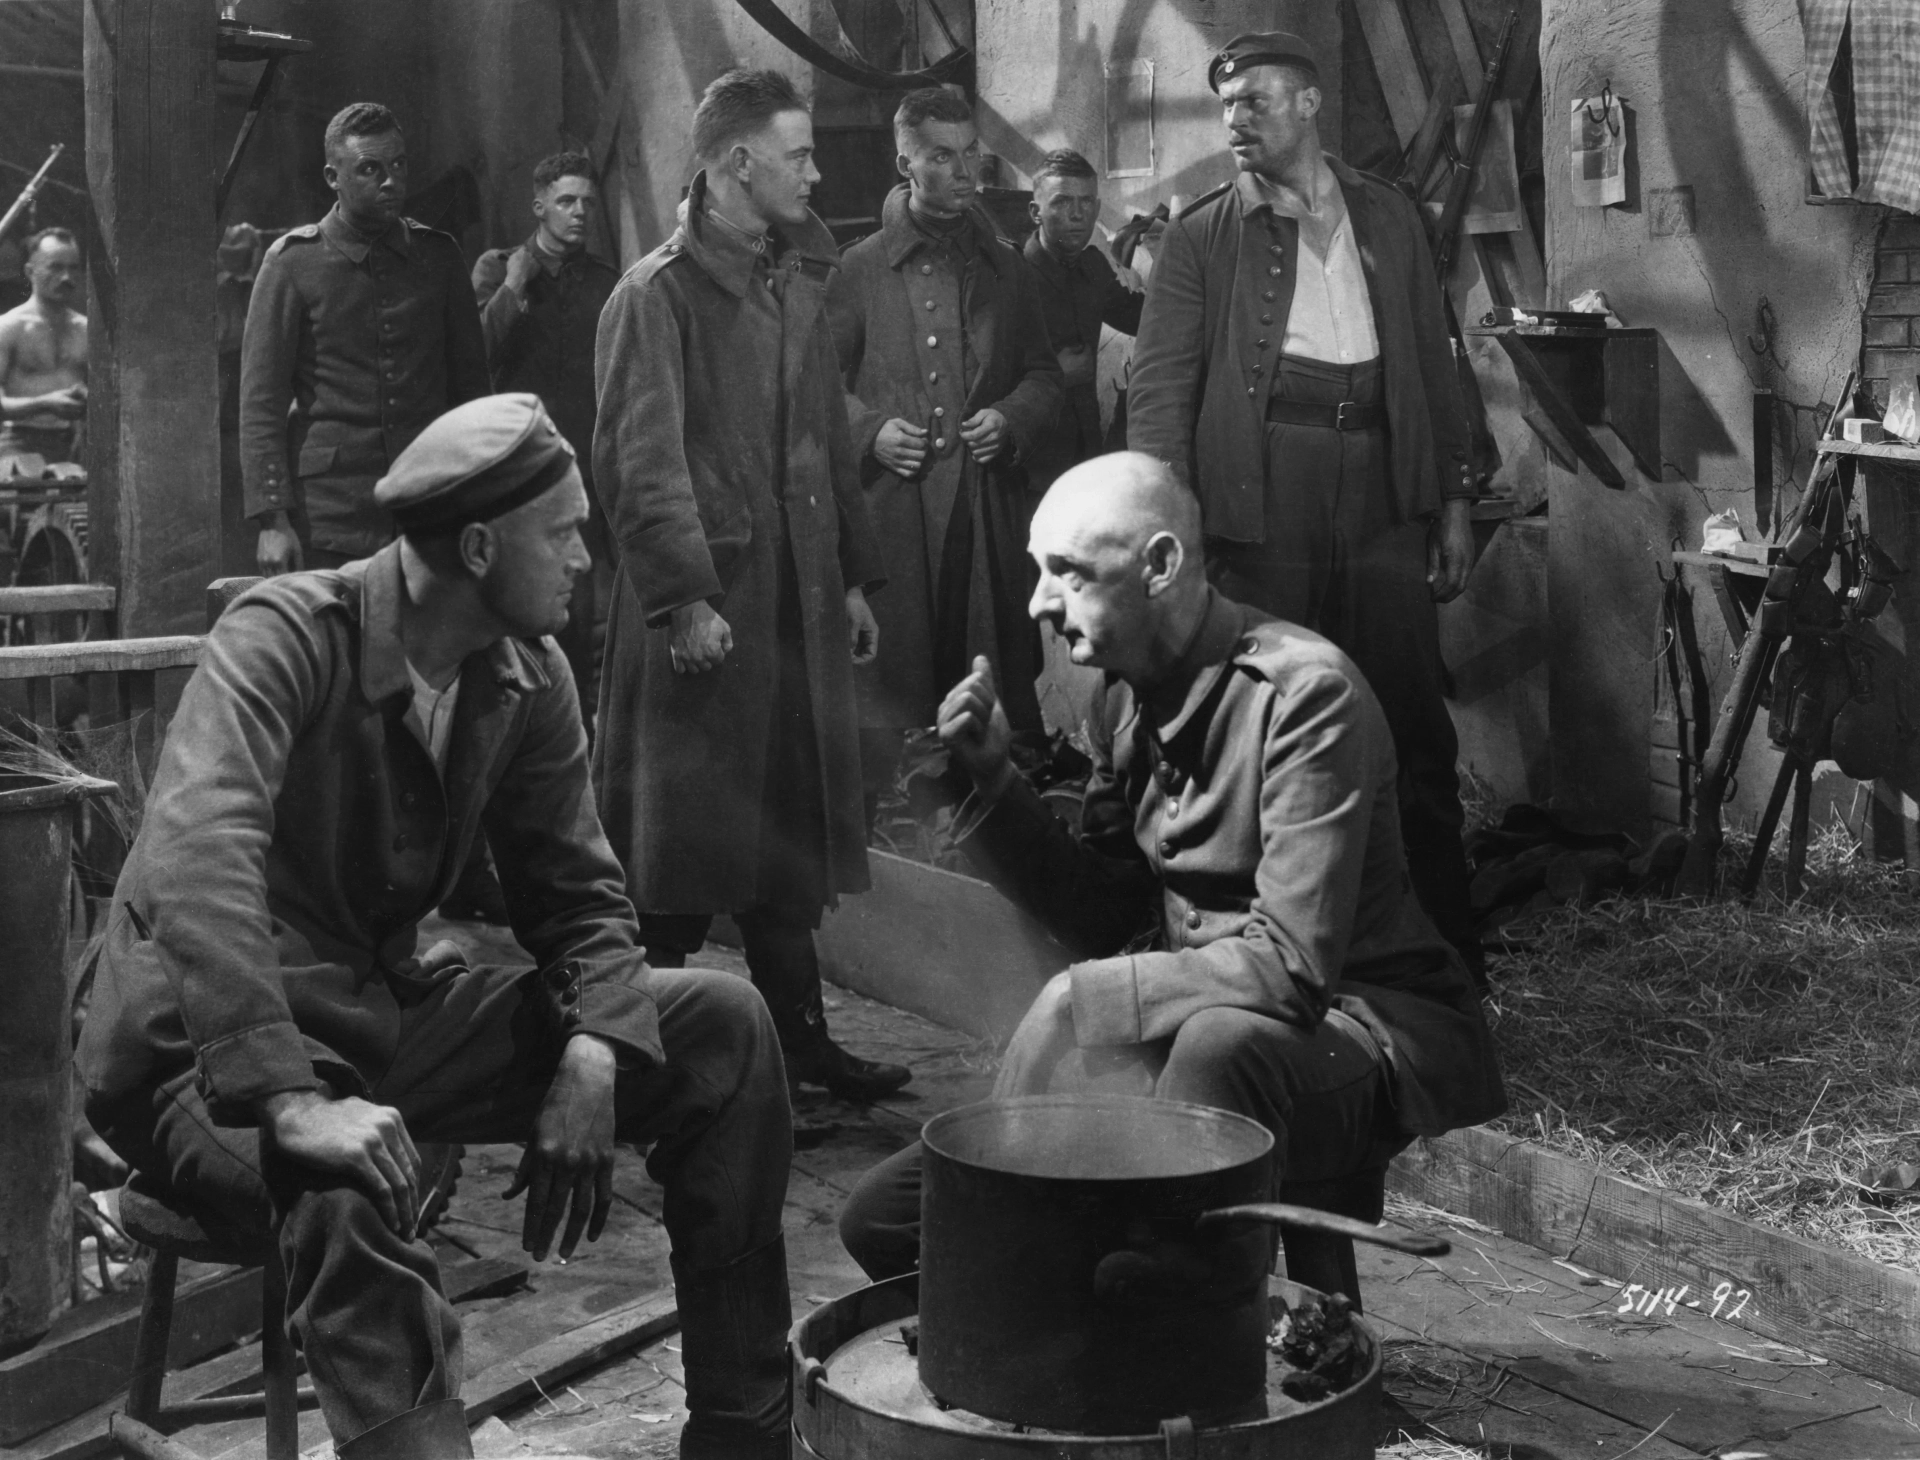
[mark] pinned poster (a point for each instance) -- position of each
(1599, 150)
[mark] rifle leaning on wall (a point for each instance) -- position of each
(1446, 236)
(1811, 542)
(32, 189)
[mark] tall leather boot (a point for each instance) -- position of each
(785, 967)
(436, 1431)
(733, 1347)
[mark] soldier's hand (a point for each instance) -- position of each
(278, 550)
(521, 268)
(973, 726)
(569, 1161)
(901, 447)
(986, 434)
(701, 639)
(1450, 550)
(863, 632)
(353, 1138)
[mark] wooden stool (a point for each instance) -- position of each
(173, 1233)
(1321, 1259)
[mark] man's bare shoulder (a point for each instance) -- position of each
(25, 319)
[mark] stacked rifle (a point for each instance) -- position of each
(1445, 237)
(1808, 646)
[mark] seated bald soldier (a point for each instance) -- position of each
(266, 1046)
(1241, 829)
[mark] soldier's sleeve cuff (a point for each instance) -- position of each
(1106, 1002)
(623, 1015)
(239, 1070)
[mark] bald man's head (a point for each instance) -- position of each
(1117, 542)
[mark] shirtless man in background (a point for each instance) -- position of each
(43, 354)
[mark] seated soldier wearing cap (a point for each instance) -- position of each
(266, 1046)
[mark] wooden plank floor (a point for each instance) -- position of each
(1496, 1347)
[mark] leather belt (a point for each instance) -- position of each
(1347, 415)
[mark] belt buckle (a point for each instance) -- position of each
(1340, 416)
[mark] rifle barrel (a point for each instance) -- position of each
(32, 189)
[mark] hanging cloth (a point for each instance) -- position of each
(1863, 100)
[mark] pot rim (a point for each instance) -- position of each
(1149, 1106)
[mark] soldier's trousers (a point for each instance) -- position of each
(475, 1061)
(1335, 562)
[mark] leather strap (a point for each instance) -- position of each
(1347, 415)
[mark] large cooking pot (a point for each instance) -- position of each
(1098, 1263)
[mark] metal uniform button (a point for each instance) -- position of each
(1274, 269)
(932, 304)
(1275, 249)
(570, 995)
(813, 501)
(1266, 319)
(1267, 294)
(939, 443)
(1193, 917)
(1173, 809)
(1166, 851)
(1250, 390)
(939, 412)
(560, 975)
(933, 376)
(932, 341)
(926, 268)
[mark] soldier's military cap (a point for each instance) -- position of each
(1261, 48)
(474, 463)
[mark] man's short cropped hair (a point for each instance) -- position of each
(56, 235)
(549, 170)
(359, 119)
(739, 103)
(928, 104)
(1064, 162)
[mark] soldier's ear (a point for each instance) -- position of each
(903, 165)
(1164, 556)
(479, 548)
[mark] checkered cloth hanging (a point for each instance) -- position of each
(1884, 47)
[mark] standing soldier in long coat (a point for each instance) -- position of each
(728, 756)
(953, 389)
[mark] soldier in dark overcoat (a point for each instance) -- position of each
(953, 389)
(727, 759)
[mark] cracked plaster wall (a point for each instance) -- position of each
(1716, 89)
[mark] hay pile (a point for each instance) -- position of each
(1765, 1059)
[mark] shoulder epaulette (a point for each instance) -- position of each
(305, 233)
(1211, 195)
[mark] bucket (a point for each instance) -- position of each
(37, 814)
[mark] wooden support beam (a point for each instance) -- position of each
(1395, 62)
(1846, 1308)
(59, 598)
(100, 656)
(153, 435)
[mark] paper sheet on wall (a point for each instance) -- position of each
(1599, 150)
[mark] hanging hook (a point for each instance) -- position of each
(1606, 109)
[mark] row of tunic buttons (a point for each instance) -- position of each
(1273, 271)
(933, 376)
